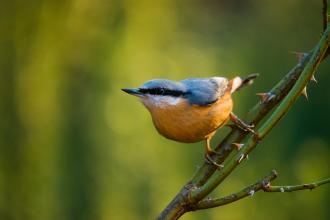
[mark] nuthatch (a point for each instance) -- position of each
(191, 110)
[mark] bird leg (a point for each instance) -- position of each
(241, 124)
(208, 153)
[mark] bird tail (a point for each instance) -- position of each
(240, 82)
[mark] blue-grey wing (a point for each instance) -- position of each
(205, 91)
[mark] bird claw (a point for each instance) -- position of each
(209, 160)
(241, 124)
(265, 96)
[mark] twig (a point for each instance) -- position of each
(263, 184)
(247, 191)
(295, 187)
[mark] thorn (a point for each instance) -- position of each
(238, 146)
(271, 96)
(240, 158)
(266, 184)
(247, 157)
(265, 96)
(299, 55)
(313, 79)
(304, 93)
(282, 189)
(209, 160)
(251, 192)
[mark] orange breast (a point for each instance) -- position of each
(185, 123)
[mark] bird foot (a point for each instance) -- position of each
(241, 124)
(209, 160)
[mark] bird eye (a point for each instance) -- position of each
(161, 91)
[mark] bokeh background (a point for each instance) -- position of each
(73, 146)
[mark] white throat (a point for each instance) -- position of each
(237, 82)
(160, 101)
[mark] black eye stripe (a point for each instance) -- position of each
(162, 91)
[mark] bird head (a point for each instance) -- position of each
(159, 93)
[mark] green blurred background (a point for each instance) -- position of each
(74, 146)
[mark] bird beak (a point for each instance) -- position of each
(135, 92)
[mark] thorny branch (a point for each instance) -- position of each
(263, 184)
(296, 187)
(247, 191)
(235, 159)
(206, 179)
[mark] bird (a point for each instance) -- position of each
(191, 110)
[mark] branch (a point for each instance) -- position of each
(296, 187)
(247, 191)
(280, 111)
(256, 114)
(263, 184)
(206, 179)
(300, 85)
